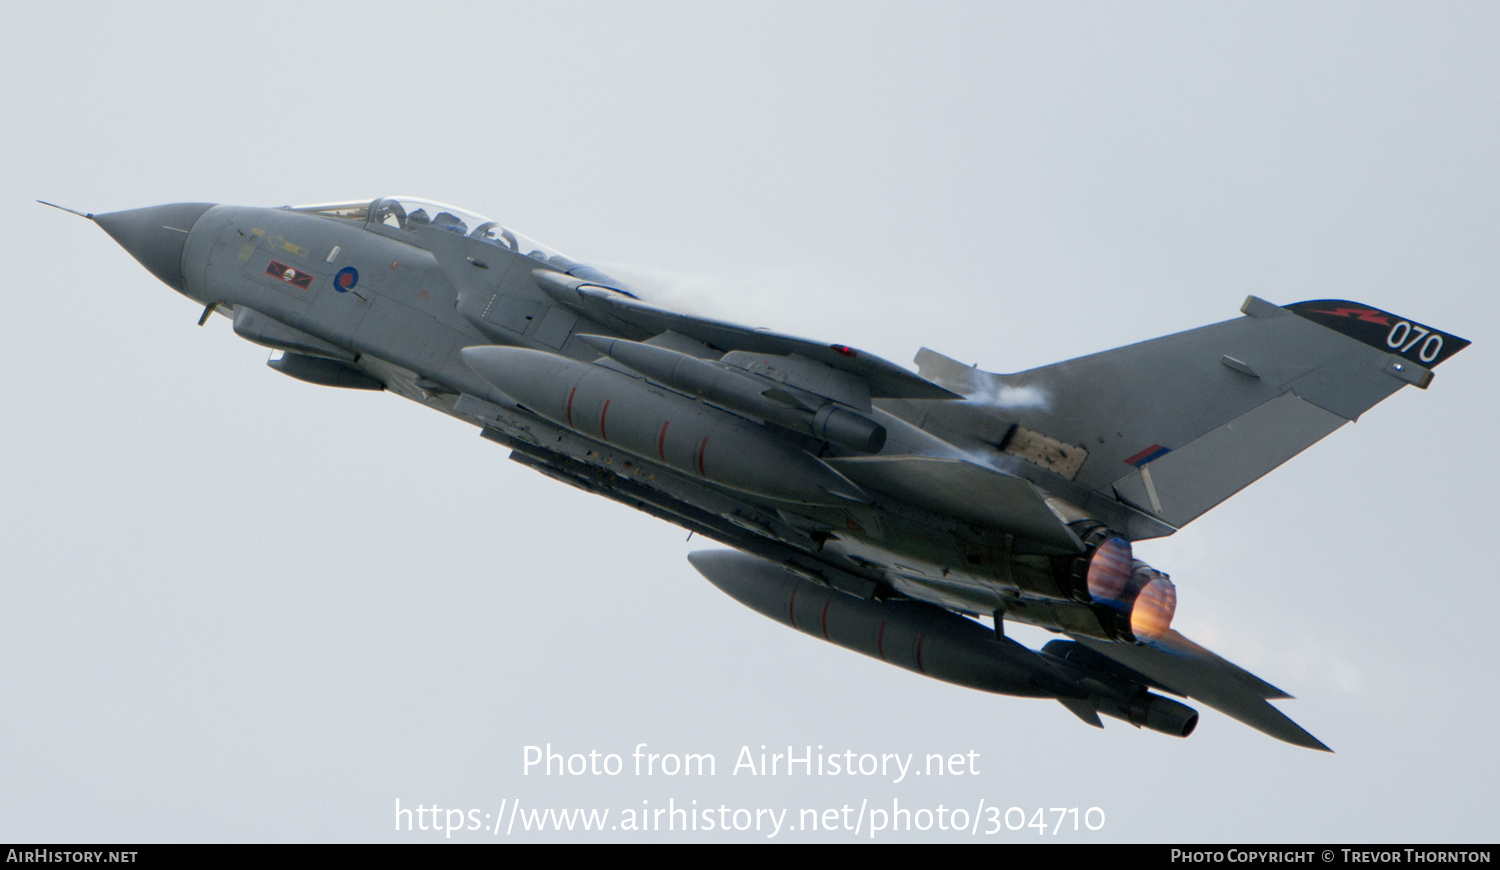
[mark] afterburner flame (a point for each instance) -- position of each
(1109, 572)
(1155, 605)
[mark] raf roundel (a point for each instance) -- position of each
(345, 280)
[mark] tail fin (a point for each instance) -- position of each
(1175, 425)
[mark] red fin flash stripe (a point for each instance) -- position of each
(702, 446)
(825, 618)
(921, 638)
(570, 406)
(602, 415)
(1368, 315)
(661, 442)
(1155, 451)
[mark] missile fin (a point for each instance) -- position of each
(1081, 708)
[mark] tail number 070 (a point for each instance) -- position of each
(1405, 336)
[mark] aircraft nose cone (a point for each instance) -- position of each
(155, 236)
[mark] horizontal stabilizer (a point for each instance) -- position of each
(1187, 669)
(972, 493)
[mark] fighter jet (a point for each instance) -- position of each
(878, 509)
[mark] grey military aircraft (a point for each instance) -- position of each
(871, 507)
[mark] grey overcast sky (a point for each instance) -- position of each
(237, 607)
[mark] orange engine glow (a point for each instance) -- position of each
(1109, 572)
(1155, 605)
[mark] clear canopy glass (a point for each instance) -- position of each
(406, 212)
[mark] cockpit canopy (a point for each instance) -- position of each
(406, 212)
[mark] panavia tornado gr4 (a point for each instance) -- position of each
(866, 505)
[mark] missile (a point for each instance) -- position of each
(941, 644)
(661, 426)
(740, 391)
